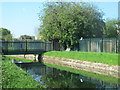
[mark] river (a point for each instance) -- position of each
(56, 78)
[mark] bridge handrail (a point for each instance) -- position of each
(25, 45)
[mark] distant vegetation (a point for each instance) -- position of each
(105, 58)
(26, 37)
(111, 29)
(5, 34)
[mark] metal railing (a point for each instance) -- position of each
(25, 45)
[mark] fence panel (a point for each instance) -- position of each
(100, 45)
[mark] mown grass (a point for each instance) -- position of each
(16, 58)
(105, 58)
(15, 77)
(104, 78)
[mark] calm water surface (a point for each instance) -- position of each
(55, 78)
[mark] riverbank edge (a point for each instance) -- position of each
(104, 78)
(97, 68)
(85, 73)
(94, 57)
(8, 68)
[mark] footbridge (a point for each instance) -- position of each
(25, 47)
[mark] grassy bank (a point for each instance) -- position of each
(21, 59)
(105, 78)
(15, 77)
(105, 58)
(89, 74)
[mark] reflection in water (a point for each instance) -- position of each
(55, 78)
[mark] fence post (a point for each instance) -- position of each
(102, 46)
(78, 45)
(116, 46)
(90, 45)
(6, 46)
(45, 46)
(40, 58)
(51, 46)
(26, 45)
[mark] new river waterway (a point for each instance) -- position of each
(56, 78)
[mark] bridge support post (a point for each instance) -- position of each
(35, 58)
(40, 58)
(24, 56)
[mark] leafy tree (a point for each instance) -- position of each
(27, 37)
(5, 34)
(111, 29)
(68, 22)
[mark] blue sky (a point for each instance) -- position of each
(22, 17)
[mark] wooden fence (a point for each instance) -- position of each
(100, 45)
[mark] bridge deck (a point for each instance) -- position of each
(25, 47)
(22, 52)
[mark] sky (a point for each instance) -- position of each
(21, 18)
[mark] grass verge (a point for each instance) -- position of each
(15, 77)
(105, 58)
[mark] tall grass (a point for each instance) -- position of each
(105, 58)
(15, 77)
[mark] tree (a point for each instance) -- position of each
(68, 22)
(5, 34)
(111, 29)
(27, 37)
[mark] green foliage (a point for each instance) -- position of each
(85, 73)
(6, 34)
(27, 37)
(111, 28)
(68, 22)
(15, 77)
(106, 58)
